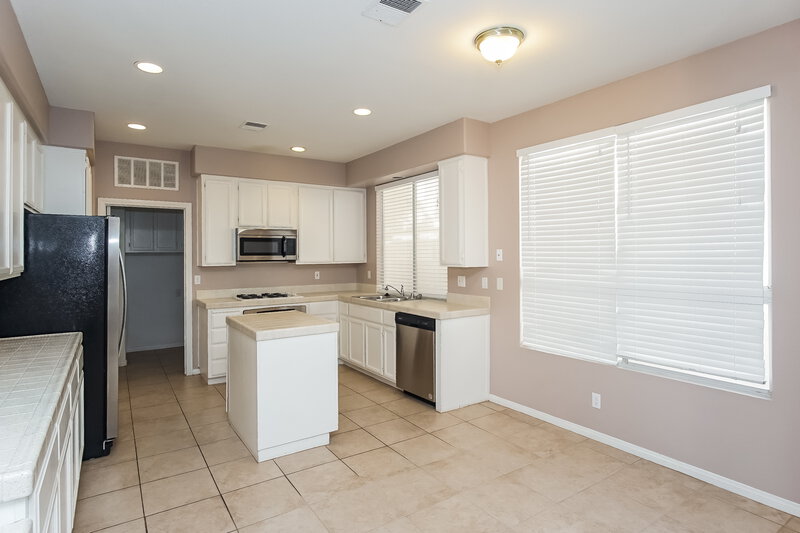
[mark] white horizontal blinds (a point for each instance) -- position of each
(567, 249)
(395, 243)
(430, 277)
(691, 223)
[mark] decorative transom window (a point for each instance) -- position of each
(145, 173)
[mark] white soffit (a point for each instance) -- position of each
(304, 66)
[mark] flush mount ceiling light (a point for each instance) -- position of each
(150, 68)
(362, 111)
(135, 126)
(499, 44)
(298, 149)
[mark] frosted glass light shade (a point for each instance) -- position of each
(499, 44)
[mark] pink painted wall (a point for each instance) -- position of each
(750, 440)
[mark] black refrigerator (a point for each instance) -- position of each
(74, 280)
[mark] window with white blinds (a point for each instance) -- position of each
(648, 245)
(408, 236)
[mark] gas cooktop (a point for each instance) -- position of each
(263, 295)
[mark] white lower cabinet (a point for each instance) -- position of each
(367, 339)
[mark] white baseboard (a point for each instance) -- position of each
(731, 485)
(155, 347)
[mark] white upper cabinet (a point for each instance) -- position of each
(33, 165)
(332, 226)
(18, 152)
(349, 226)
(315, 225)
(464, 211)
(6, 183)
(67, 181)
(252, 195)
(218, 210)
(282, 205)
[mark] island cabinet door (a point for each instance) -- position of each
(356, 335)
(372, 344)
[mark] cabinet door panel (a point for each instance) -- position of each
(252, 204)
(6, 182)
(356, 335)
(140, 225)
(219, 203)
(344, 338)
(282, 206)
(389, 353)
(166, 236)
(349, 226)
(373, 341)
(18, 190)
(315, 226)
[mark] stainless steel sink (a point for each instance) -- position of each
(379, 298)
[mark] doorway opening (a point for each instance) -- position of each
(155, 239)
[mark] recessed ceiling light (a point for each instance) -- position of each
(362, 111)
(298, 149)
(135, 126)
(150, 68)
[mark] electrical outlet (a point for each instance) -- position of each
(484, 283)
(316, 274)
(462, 281)
(499, 284)
(596, 400)
(499, 253)
(369, 274)
(197, 280)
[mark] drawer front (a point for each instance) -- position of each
(218, 318)
(45, 489)
(219, 336)
(365, 313)
(63, 418)
(217, 368)
(323, 308)
(218, 352)
(388, 318)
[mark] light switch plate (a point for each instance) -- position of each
(369, 274)
(499, 284)
(499, 253)
(484, 283)
(316, 274)
(197, 280)
(462, 281)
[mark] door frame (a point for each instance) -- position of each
(103, 207)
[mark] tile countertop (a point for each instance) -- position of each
(281, 325)
(33, 374)
(438, 309)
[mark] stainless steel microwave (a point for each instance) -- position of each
(266, 245)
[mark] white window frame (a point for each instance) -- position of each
(717, 382)
(379, 232)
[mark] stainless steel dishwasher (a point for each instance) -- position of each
(416, 355)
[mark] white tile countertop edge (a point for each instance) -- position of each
(269, 326)
(33, 374)
(457, 307)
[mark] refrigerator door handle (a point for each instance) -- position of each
(124, 304)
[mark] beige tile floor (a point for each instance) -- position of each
(394, 466)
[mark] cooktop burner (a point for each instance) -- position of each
(263, 295)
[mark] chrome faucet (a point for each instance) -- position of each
(400, 292)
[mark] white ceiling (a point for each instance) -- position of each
(302, 65)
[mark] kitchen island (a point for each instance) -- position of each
(282, 390)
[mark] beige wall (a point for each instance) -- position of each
(19, 72)
(420, 154)
(226, 162)
(751, 440)
(71, 128)
(241, 276)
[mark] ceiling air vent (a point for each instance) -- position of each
(391, 12)
(253, 126)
